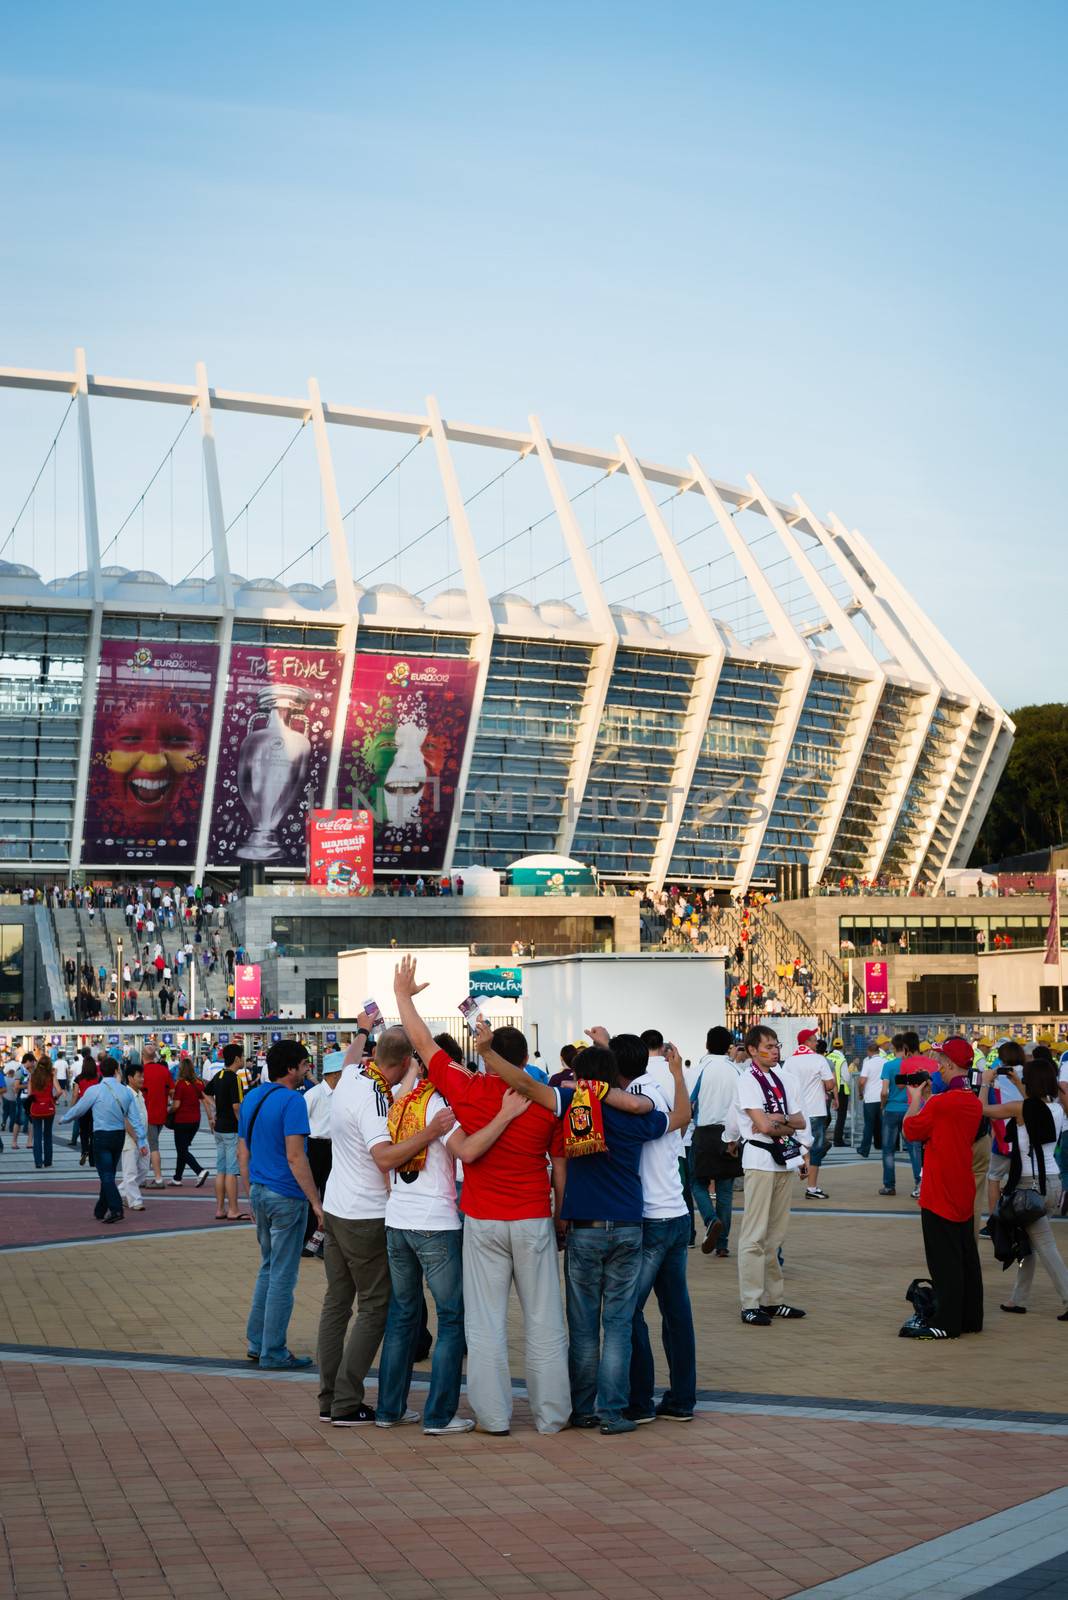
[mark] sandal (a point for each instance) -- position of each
(220, 1216)
(243, 1216)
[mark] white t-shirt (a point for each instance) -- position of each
(426, 1200)
(356, 1190)
(751, 1097)
(62, 1071)
(719, 1089)
(811, 1072)
(872, 1070)
(661, 1183)
(317, 1100)
(1060, 1121)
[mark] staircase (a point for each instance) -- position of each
(210, 986)
(775, 945)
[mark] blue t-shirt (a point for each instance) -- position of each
(284, 1112)
(898, 1098)
(608, 1187)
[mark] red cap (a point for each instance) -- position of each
(959, 1052)
(807, 1035)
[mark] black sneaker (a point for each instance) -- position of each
(913, 1330)
(782, 1311)
(591, 1420)
(355, 1419)
(984, 1231)
(670, 1414)
(756, 1319)
(632, 1414)
(711, 1238)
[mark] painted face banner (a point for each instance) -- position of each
(404, 742)
(278, 722)
(149, 747)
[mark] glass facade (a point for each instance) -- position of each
(42, 671)
(721, 805)
(953, 935)
(517, 789)
(484, 936)
(922, 792)
(960, 787)
(629, 787)
(11, 953)
(879, 772)
(406, 642)
(169, 629)
(314, 637)
(805, 790)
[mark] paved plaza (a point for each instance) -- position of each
(143, 1459)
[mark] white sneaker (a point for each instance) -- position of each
(457, 1425)
(408, 1417)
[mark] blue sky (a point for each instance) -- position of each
(823, 243)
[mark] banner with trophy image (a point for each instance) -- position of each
(148, 752)
(274, 747)
(405, 731)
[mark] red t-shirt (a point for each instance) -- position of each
(947, 1124)
(510, 1183)
(157, 1092)
(188, 1096)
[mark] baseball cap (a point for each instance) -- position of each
(959, 1052)
(807, 1035)
(883, 1038)
(836, 1043)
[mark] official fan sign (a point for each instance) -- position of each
(341, 851)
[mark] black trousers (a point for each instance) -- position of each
(840, 1119)
(320, 1159)
(184, 1134)
(953, 1262)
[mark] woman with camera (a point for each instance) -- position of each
(1034, 1125)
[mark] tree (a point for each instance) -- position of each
(1030, 806)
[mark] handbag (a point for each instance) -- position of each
(711, 1158)
(1022, 1206)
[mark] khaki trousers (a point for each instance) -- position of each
(357, 1268)
(980, 1163)
(767, 1211)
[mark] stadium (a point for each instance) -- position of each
(586, 654)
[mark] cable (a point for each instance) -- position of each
(140, 501)
(267, 479)
(324, 536)
(440, 524)
(38, 478)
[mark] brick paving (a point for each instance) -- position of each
(145, 1484)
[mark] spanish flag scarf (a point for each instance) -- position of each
(372, 1072)
(408, 1116)
(584, 1120)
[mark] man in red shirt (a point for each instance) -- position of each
(157, 1091)
(947, 1124)
(508, 1229)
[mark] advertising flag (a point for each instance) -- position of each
(405, 732)
(1053, 932)
(148, 751)
(341, 851)
(274, 748)
(876, 992)
(247, 993)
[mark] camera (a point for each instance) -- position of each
(911, 1080)
(1005, 1072)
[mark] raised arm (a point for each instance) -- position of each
(388, 1156)
(1010, 1111)
(467, 1147)
(405, 989)
(514, 1077)
(682, 1111)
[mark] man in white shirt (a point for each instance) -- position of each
(717, 1089)
(320, 1150)
(354, 1225)
(775, 1130)
(648, 1067)
(814, 1077)
(871, 1094)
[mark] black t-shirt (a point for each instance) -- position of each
(227, 1094)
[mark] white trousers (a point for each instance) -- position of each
(134, 1168)
(496, 1254)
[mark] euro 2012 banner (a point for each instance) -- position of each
(148, 753)
(274, 749)
(405, 731)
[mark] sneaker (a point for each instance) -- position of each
(922, 1331)
(782, 1311)
(722, 1251)
(355, 1419)
(622, 1425)
(887, 1191)
(174, 1183)
(816, 1194)
(756, 1319)
(984, 1231)
(916, 1192)
(290, 1364)
(670, 1414)
(324, 1416)
(253, 1356)
(711, 1238)
(1019, 1311)
(493, 1433)
(590, 1420)
(202, 1178)
(114, 1216)
(457, 1425)
(639, 1418)
(398, 1422)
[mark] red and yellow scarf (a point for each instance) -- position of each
(408, 1116)
(371, 1071)
(584, 1120)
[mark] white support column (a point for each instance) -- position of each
(794, 689)
(91, 676)
(706, 674)
(984, 792)
(865, 667)
(604, 651)
(477, 599)
(225, 588)
(343, 584)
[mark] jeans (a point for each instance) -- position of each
(279, 1230)
(601, 1268)
(107, 1149)
(723, 1205)
(663, 1270)
(42, 1141)
(872, 1108)
(819, 1140)
(892, 1121)
(438, 1255)
(184, 1134)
